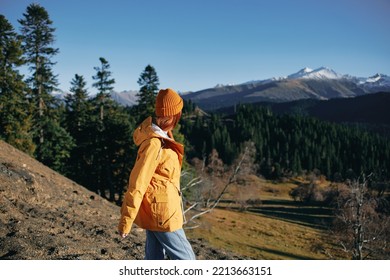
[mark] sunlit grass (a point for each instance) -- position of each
(278, 228)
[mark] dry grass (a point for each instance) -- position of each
(277, 229)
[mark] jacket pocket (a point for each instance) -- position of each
(160, 210)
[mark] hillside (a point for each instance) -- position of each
(44, 215)
(370, 110)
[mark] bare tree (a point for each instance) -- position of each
(360, 228)
(212, 184)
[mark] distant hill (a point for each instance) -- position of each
(44, 215)
(370, 110)
(125, 98)
(320, 84)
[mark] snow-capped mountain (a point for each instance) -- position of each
(378, 80)
(324, 73)
(322, 83)
(305, 73)
(320, 73)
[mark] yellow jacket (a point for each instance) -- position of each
(153, 198)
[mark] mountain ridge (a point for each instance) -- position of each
(322, 83)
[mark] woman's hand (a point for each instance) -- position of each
(123, 235)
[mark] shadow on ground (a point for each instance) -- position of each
(308, 215)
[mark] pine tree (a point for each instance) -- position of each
(104, 106)
(149, 83)
(15, 117)
(78, 119)
(111, 148)
(38, 37)
(77, 105)
(104, 85)
(118, 154)
(53, 142)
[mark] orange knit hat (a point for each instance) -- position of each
(168, 103)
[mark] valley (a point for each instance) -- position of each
(276, 229)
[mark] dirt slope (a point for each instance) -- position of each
(44, 215)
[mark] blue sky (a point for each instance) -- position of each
(195, 45)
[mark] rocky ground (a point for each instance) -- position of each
(44, 215)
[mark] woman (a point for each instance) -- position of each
(153, 199)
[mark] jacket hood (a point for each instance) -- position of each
(144, 131)
(147, 130)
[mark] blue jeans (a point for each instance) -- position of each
(175, 244)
